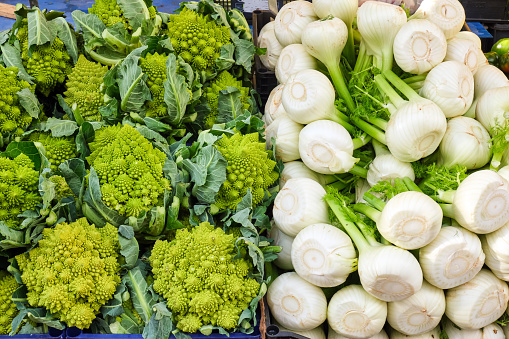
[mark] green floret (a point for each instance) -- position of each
(49, 64)
(154, 65)
(110, 12)
(13, 117)
(8, 308)
(249, 166)
(222, 82)
(129, 168)
(84, 88)
(197, 38)
(200, 280)
(62, 189)
(73, 271)
(18, 188)
(58, 150)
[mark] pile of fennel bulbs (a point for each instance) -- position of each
(393, 209)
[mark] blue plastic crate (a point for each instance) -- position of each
(74, 332)
(52, 334)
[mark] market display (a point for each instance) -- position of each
(143, 190)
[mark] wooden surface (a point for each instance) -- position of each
(7, 11)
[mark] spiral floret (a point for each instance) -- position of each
(58, 149)
(154, 65)
(8, 309)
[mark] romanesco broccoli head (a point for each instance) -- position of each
(129, 168)
(58, 149)
(62, 189)
(221, 82)
(200, 280)
(13, 116)
(197, 38)
(154, 65)
(110, 12)
(8, 308)
(249, 166)
(18, 188)
(49, 64)
(73, 271)
(84, 88)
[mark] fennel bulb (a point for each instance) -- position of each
(291, 19)
(267, 39)
(449, 15)
(361, 186)
(453, 332)
(478, 302)
(493, 331)
(386, 167)
(496, 247)
(274, 107)
(286, 133)
(453, 258)
(451, 86)
(298, 205)
(325, 40)
(418, 313)
(433, 334)
(378, 24)
(492, 107)
(297, 169)
(284, 258)
(295, 303)
(293, 58)
(354, 313)
(326, 147)
(466, 142)
(481, 58)
(488, 77)
(308, 96)
(335, 335)
(419, 46)
(464, 51)
(315, 333)
(388, 273)
(323, 255)
(504, 172)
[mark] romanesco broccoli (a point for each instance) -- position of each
(62, 189)
(18, 188)
(49, 64)
(154, 65)
(13, 117)
(8, 308)
(73, 271)
(201, 282)
(197, 38)
(58, 150)
(110, 12)
(249, 166)
(221, 82)
(84, 88)
(129, 168)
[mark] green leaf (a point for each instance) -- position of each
(85, 135)
(39, 31)
(115, 36)
(65, 107)
(244, 53)
(47, 188)
(226, 60)
(129, 247)
(135, 11)
(151, 134)
(38, 315)
(131, 82)
(29, 101)
(176, 95)
(68, 37)
(10, 238)
(60, 128)
(74, 172)
(160, 325)
(156, 125)
(143, 300)
(28, 148)
(11, 57)
(114, 306)
(229, 106)
(91, 25)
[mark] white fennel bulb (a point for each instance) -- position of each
(323, 255)
(378, 23)
(481, 58)
(267, 39)
(493, 107)
(284, 258)
(451, 86)
(326, 147)
(293, 58)
(286, 133)
(315, 333)
(466, 142)
(477, 303)
(419, 46)
(361, 187)
(308, 96)
(449, 15)
(291, 20)
(298, 205)
(481, 202)
(274, 107)
(453, 332)
(488, 77)
(354, 313)
(496, 247)
(386, 167)
(410, 220)
(344, 10)
(493, 331)
(433, 334)
(297, 169)
(295, 303)
(504, 172)
(335, 335)
(453, 258)
(463, 51)
(418, 313)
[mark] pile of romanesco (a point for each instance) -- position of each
(8, 308)
(200, 280)
(154, 65)
(18, 188)
(129, 168)
(73, 271)
(58, 150)
(249, 166)
(110, 12)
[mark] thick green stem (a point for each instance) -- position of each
(387, 58)
(359, 171)
(339, 185)
(373, 131)
(447, 210)
(400, 185)
(412, 186)
(386, 88)
(339, 83)
(415, 78)
(339, 119)
(368, 211)
(378, 122)
(416, 86)
(361, 140)
(374, 201)
(367, 232)
(496, 159)
(379, 148)
(361, 58)
(447, 196)
(401, 86)
(349, 50)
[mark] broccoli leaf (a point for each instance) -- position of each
(160, 325)
(60, 128)
(135, 11)
(29, 102)
(90, 24)
(39, 30)
(176, 94)
(28, 148)
(68, 37)
(11, 57)
(143, 299)
(129, 247)
(244, 53)
(131, 82)
(229, 106)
